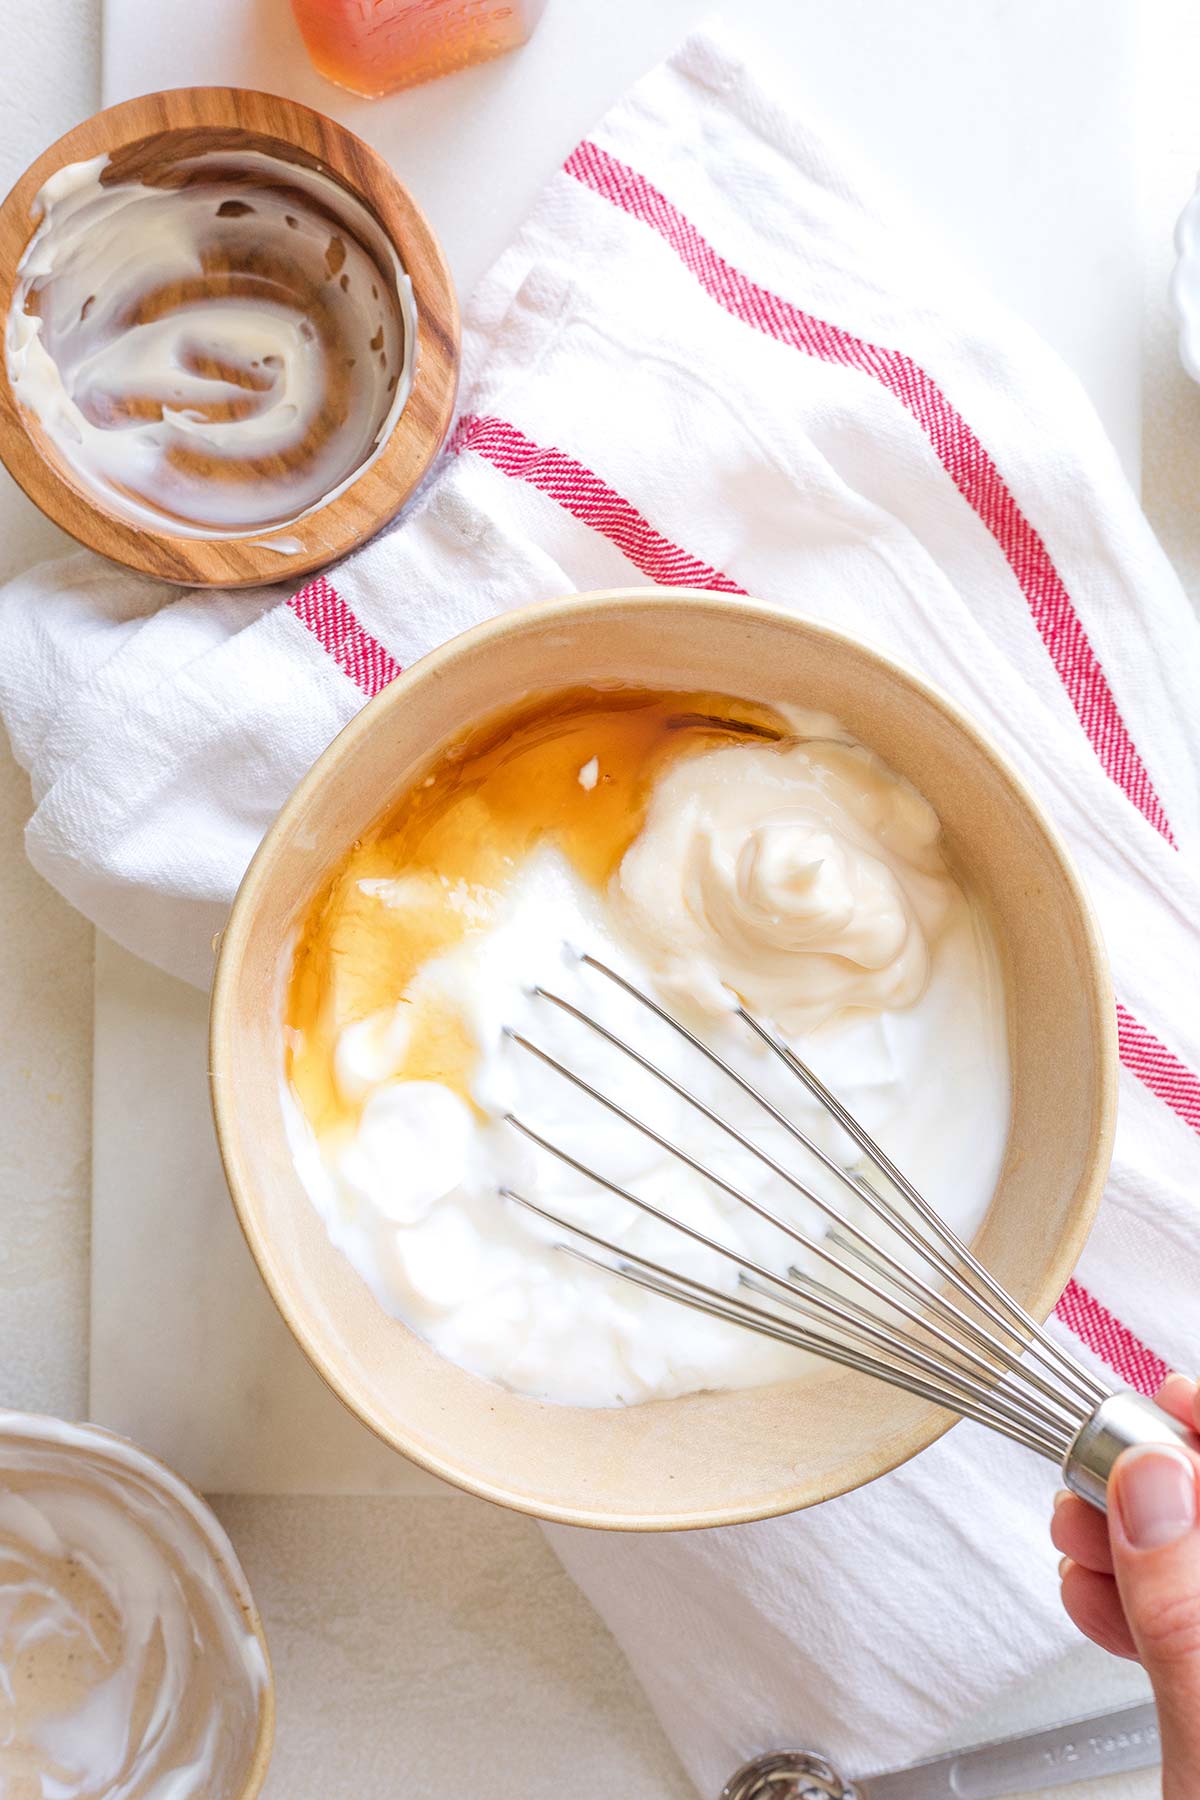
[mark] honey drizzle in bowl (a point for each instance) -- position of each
(456, 837)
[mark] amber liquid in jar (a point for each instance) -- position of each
(375, 46)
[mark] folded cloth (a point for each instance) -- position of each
(711, 359)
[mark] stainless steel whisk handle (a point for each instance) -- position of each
(1118, 1423)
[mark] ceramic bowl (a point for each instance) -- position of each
(145, 139)
(79, 1502)
(1185, 285)
(710, 1458)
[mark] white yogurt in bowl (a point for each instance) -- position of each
(754, 858)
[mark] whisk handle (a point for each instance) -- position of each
(1118, 1423)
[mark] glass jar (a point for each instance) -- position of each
(375, 46)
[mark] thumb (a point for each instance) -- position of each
(1153, 1524)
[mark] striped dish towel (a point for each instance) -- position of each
(712, 358)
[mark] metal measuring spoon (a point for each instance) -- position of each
(1111, 1743)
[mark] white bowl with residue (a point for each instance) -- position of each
(1185, 285)
(132, 1653)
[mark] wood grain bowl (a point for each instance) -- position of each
(143, 139)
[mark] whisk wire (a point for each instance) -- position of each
(973, 1401)
(1006, 1313)
(1041, 1344)
(1067, 1406)
(894, 1272)
(834, 1350)
(966, 1346)
(1026, 1334)
(969, 1349)
(834, 1306)
(857, 1321)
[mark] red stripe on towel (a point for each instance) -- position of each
(1108, 1339)
(960, 452)
(590, 500)
(362, 657)
(1158, 1068)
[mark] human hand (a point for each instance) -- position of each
(1131, 1582)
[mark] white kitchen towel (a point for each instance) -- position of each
(715, 357)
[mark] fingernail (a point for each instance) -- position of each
(1156, 1492)
(1061, 1495)
(1180, 1387)
(1064, 1563)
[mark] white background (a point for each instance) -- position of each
(424, 1646)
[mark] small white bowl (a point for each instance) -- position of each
(131, 1589)
(1185, 285)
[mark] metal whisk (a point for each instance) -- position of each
(944, 1329)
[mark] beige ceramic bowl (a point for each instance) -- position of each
(711, 1458)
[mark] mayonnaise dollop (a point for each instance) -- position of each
(129, 1669)
(806, 881)
(801, 881)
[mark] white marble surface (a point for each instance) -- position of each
(418, 1641)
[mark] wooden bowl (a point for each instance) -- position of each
(145, 138)
(148, 1485)
(711, 1458)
